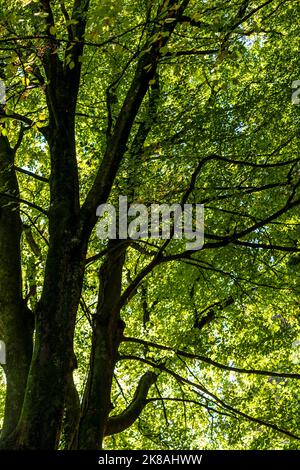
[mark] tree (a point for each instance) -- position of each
(162, 101)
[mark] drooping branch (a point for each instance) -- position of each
(211, 362)
(222, 241)
(125, 419)
(217, 400)
(193, 402)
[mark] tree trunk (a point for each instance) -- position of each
(16, 321)
(69, 230)
(53, 357)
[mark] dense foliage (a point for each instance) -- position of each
(173, 101)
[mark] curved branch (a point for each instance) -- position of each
(124, 420)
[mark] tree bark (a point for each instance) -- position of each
(16, 320)
(56, 311)
(124, 420)
(107, 334)
(53, 357)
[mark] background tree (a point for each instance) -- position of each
(144, 342)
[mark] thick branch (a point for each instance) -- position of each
(124, 420)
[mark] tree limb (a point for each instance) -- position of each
(211, 362)
(217, 400)
(124, 420)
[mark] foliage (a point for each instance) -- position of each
(223, 132)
